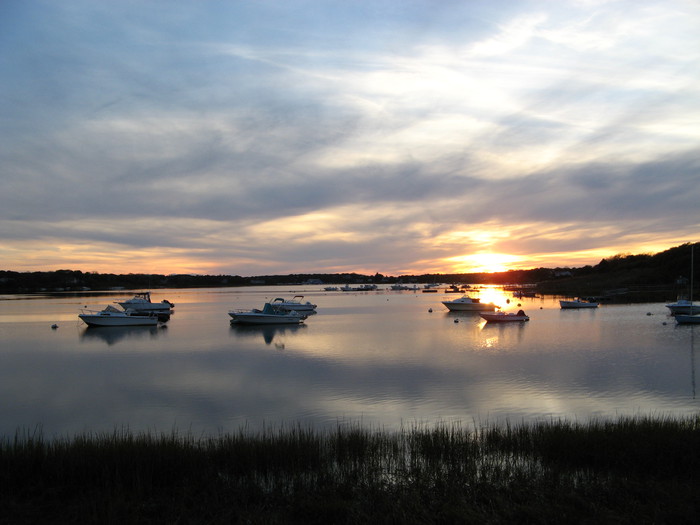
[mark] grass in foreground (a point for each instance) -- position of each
(632, 470)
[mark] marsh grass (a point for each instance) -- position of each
(631, 470)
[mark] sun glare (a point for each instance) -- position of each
(482, 262)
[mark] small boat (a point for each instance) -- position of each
(294, 304)
(453, 288)
(469, 304)
(361, 288)
(502, 317)
(331, 288)
(112, 316)
(520, 294)
(578, 303)
(683, 306)
(141, 302)
(268, 315)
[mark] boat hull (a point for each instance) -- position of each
(687, 319)
(137, 306)
(253, 318)
(127, 320)
(504, 318)
(685, 309)
(571, 305)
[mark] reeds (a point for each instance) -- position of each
(639, 469)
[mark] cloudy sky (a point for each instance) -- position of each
(393, 136)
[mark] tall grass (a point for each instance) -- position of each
(640, 469)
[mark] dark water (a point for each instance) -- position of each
(378, 358)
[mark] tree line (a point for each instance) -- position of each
(668, 270)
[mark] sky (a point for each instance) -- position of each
(307, 136)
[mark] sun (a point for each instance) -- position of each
(484, 262)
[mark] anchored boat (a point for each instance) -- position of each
(112, 316)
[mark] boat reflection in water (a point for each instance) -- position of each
(379, 358)
(114, 334)
(268, 332)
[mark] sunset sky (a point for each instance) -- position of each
(400, 137)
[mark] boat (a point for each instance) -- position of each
(268, 315)
(112, 316)
(469, 304)
(331, 288)
(577, 303)
(502, 317)
(141, 302)
(294, 304)
(361, 288)
(521, 294)
(683, 306)
(690, 317)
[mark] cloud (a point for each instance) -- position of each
(339, 138)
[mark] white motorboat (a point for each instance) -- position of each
(578, 303)
(268, 315)
(502, 317)
(112, 316)
(294, 304)
(141, 302)
(683, 306)
(469, 304)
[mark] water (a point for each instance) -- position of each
(375, 358)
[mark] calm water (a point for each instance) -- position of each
(379, 358)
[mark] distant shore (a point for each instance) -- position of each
(622, 278)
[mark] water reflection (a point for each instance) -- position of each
(464, 314)
(268, 332)
(691, 338)
(692, 359)
(114, 334)
(376, 357)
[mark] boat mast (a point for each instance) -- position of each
(692, 271)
